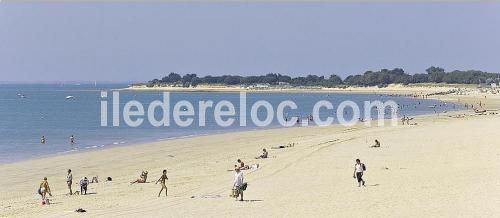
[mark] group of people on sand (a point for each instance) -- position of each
(84, 183)
(144, 177)
(239, 185)
(44, 187)
(478, 106)
(72, 141)
(406, 119)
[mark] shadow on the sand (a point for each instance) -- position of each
(90, 193)
(252, 200)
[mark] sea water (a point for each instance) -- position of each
(29, 111)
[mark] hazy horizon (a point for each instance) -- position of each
(132, 42)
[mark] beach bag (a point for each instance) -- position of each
(364, 167)
(244, 186)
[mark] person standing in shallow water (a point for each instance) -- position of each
(163, 185)
(359, 168)
(42, 140)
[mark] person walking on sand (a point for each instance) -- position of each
(359, 168)
(44, 188)
(238, 184)
(69, 181)
(163, 185)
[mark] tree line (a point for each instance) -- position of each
(381, 78)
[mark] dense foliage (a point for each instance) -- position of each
(369, 78)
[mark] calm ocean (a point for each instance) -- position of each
(30, 111)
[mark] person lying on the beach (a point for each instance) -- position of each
(142, 179)
(44, 188)
(263, 155)
(376, 145)
(290, 145)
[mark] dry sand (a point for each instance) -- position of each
(442, 167)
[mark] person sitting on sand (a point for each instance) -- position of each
(359, 168)
(376, 145)
(44, 188)
(69, 181)
(84, 182)
(238, 184)
(263, 155)
(142, 179)
(163, 185)
(242, 165)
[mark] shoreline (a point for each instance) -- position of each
(96, 148)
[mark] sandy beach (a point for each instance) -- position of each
(446, 166)
(390, 89)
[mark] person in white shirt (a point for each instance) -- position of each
(238, 183)
(359, 168)
(84, 182)
(69, 181)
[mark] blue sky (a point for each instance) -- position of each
(140, 41)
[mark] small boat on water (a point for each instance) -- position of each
(69, 97)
